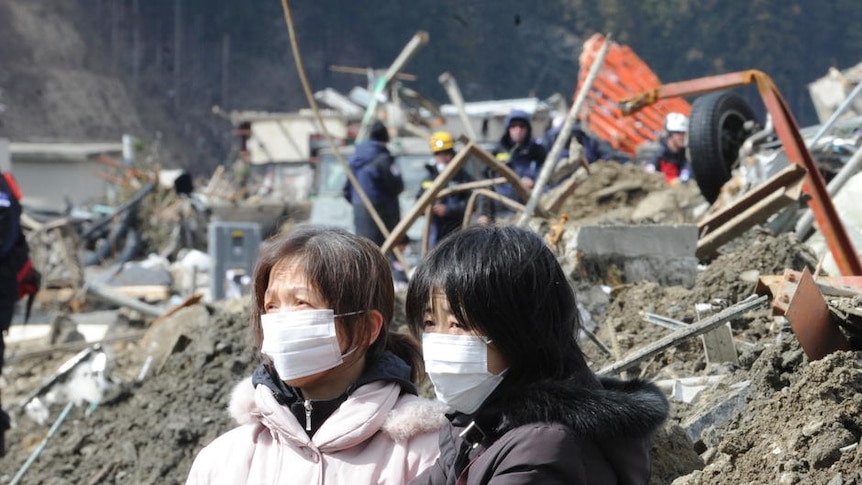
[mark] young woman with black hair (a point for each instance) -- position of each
(498, 320)
(333, 400)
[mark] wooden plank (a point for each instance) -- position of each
(152, 293)
(54, 295)
(718, 345)
(693, 330)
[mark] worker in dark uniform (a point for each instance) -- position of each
(521, 153)
(447, 213)
(379, 176)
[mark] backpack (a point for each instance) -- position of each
(29, 282)
(28, 279)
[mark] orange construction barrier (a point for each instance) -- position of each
(623, 75)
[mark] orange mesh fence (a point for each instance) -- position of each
(623, 74)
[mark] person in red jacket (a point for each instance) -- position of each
(671, 159)
(12, 249)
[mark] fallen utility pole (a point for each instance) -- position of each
(680, 335)
(418, 40)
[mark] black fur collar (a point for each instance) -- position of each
(617, 408)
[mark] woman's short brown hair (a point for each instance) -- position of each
(348, 271)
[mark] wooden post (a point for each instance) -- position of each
(551, 160)
(418, 40)
(718, 343)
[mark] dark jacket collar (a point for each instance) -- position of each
(617, 408)
(365, 152)
(387, 367)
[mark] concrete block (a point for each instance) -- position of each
(664, 254)
(732, 402)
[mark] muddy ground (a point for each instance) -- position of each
(799, 420)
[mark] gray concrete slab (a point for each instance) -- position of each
(661, 253)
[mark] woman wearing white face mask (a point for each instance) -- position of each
(334, 399)
(498, 320)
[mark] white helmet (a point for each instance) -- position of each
(676, 122)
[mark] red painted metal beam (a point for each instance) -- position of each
(788, 132)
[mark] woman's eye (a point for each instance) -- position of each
(428, 325)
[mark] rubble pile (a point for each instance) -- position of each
(772, 414)
(147, 430)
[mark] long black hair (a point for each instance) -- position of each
(504, 283)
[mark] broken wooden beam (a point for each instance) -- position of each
(693, 330)
(112, 296)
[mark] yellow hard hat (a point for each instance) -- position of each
(441, 141)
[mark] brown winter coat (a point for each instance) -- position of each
(553, 432)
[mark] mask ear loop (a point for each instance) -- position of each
(348, 314)
(358, 312)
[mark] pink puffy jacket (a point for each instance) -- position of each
(376, 436)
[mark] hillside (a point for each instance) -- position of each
(94, 69)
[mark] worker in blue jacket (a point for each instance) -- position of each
(379, 176)
(520, 152)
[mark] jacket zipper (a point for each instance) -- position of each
(308, 408)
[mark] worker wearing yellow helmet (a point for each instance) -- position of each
(442, 141)
(447, 212)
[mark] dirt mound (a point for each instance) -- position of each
(149, 431)
(612, 193)
(800, 425)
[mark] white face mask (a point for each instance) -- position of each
(301, 343)
(458, 368)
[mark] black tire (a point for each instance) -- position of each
(716, 132)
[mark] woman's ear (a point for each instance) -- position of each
(375, 319)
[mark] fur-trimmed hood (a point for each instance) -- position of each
(617, 408)
(377, 424)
